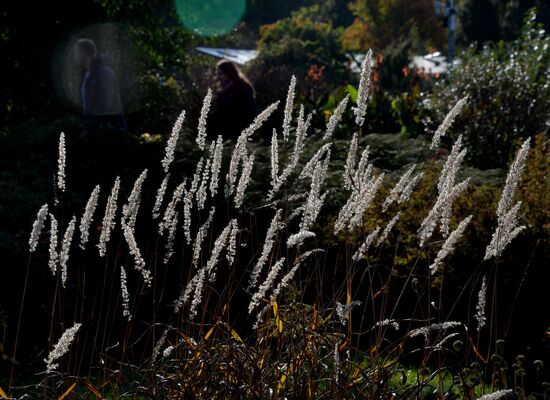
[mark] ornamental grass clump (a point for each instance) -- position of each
(283, 295)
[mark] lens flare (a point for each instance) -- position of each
(113, 44)
(210, 17)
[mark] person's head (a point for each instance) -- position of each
(227, 72)
(85, 51)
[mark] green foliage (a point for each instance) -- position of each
(508, 86)
(306, 45)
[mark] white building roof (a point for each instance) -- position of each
(238, 56)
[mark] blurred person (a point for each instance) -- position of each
(235, 103)
(99, 90)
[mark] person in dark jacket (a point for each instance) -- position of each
(235, 104)
(99, 91)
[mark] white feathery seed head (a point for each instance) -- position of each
(335, 118)
(61, 163)
(481, 303)
(65, 248)
(125, 295)
(274, 158)
(61, 347)
(360, 253)
(350, 162)
(447, 122)
(512, 179)
(298, 238)
(287, 120)
(136, 253)
(364, 89)
(216, 166)
(130, 210)
(54, 256)
(244, 180)
(160, 196)
(274, 226)
(388, 228)
(449, 245)
(37, 227)
(201, 136)
(109, 218)
(499, 394)
(268, 284)
(87, 217)
(398, 189)
(506, 231)
(172, 142)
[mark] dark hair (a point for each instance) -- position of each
(233, 72)
(88, 45)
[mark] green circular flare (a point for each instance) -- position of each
(210, 17)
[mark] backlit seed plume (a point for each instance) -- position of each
(61, 347)
(268, 284)
(447, 122)
(201, 194)
(216, 166)
(499, 394)
(481, 303)
(448, 192)
(232, 245)
(441, 211)
(313, 162)
(266, 250)
(65, 248)
(170, 211)
(287, 120)
(171, 236)
(398, 189)
(221, 242)
(343, 311)
(201, 234)
(360, 253)
(188, 201)
(244, 181)
(506, 231)
(407, 191)
(512, 179)
(336, 362)
(197, 296)
(290, 275)
(37, 227)
(109, 218)
(185, 294)
(388, 322)
(335, 118)
(388, 228)
(363, 201)
(201, 136)
(172, 142)
(449, 245)
(315, 200)
(61, 161)
(125, 295)
(130, 210)
(350, 162)
(425, 330)
(364, 88)
(298, 238)
(54, 256)
(274, 158)
(136, 253)
(87, 217)
(160, 196)
(301, 132)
